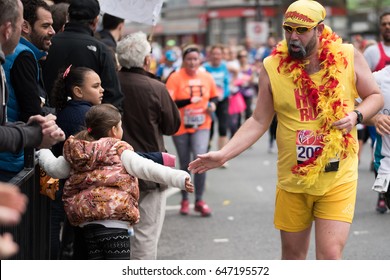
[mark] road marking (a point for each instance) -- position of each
(172, 207)
(175, 207)
(221, 240)
(359, 232)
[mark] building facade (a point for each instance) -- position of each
(207, 22)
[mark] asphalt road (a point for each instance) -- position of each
(241, 227)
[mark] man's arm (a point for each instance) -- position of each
(369, 92)
(368, 89)
(252, 129)
(39, 132)
(16, 137)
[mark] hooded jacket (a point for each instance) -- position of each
(99, 187)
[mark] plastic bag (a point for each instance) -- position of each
(48, 185)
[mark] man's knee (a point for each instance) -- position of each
(328, 251)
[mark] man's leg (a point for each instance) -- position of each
(294, 218)
(331, 237)
(333, 218)
(147, 231)
(295, 245)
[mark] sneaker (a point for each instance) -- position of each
(381, 204)
(202, 208)
(185, 207)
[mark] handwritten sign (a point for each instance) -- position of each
(141, 11)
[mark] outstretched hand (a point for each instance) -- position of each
(189, 186)
(206, 162)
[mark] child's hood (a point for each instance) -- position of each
(90, 155)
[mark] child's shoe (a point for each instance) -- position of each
(185, 207)
(202, 208)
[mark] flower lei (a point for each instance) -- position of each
(326, 99)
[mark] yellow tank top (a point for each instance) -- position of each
(297, 123)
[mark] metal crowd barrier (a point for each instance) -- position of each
(33, 232)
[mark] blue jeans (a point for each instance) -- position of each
(188, 146)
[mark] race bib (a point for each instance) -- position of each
(308, 143)
(193, 118)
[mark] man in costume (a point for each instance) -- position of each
(310, 81)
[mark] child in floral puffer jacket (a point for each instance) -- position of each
(101, 193)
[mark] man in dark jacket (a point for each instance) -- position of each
(77, 46)
(148, 114)
(111, 33)
(112, 30)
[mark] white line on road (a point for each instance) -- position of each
(359, 232)
(221, 240)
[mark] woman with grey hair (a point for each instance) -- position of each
(148, 114)
(133, 51)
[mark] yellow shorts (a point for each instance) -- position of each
(295, 212)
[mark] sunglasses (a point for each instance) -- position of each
(299, 29)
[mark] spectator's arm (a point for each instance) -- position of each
(15, 137)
